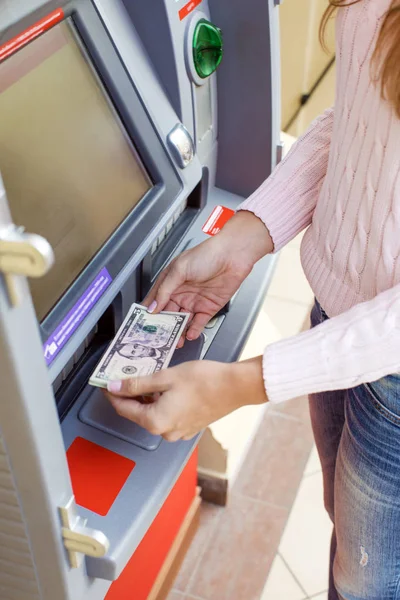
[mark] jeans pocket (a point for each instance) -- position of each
(385, 397)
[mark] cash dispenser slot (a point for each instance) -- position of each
(98, 412)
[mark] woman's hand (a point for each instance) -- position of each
(202, 280)
(189, 397)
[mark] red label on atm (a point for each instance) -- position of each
(188, 8)
(30, 34)
(219, 216)
(97, 474)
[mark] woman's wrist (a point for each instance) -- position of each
(248, 381)
(247, 234)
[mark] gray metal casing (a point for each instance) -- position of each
(34, 478)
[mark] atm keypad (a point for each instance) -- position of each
(168, 228)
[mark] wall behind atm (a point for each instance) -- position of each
(304, 63)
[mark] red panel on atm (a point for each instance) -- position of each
(97, 475)
(140, 574)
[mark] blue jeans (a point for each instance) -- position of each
(357, 433)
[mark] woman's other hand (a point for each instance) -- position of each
(202, 280)
(189, 397)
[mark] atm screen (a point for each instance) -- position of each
(71, 173)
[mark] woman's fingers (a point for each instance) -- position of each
(146, 399)
(182, 339)
(139, 386)
(127, 398)
(172, 306)
(167, 284)
(151, 296)
(188, 437)
(197, 325)
(139, 413)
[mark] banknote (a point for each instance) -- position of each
(143, 345)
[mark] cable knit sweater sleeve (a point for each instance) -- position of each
(285, 202)
(359, 346)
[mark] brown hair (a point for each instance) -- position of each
(386, 59)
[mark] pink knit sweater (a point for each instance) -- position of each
(342, 181)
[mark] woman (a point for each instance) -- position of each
(341, 181)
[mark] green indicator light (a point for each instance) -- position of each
(207, 48)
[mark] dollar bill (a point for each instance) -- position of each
(143, 345)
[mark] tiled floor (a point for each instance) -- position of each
(237, 555)
(300, 569)
(235, 546)
(271, 541)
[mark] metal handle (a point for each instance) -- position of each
(24, 254)
(79, 540)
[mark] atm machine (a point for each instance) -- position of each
(125, 126)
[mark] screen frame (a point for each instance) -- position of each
(124, 98)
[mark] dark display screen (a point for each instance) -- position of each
(71, 173)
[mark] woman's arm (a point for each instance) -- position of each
(359, 346)
(285, 202)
